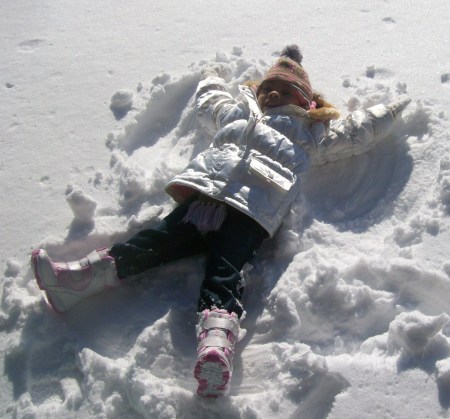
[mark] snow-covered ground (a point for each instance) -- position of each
(347, 307)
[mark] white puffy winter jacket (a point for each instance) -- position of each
(256, 161)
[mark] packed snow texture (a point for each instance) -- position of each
(347, 307)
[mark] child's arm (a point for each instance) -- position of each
(215, 106)
(359, 132)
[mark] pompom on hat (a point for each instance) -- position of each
(288, 68)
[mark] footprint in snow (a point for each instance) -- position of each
(382, 73)
(445, 78)
(30, 45)
(389, 20)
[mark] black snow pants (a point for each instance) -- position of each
(226, 250)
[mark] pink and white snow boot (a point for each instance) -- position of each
(67, 283)
(217, 333)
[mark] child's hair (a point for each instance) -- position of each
(323, 110)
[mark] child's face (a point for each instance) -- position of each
(274, 93)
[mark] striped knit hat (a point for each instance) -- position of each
(288, 68)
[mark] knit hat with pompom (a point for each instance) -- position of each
(288, 68)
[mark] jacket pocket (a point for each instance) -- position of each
(261, 170)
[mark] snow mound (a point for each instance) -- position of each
(121, 103)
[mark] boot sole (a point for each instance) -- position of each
(41, 284)
(213, 375)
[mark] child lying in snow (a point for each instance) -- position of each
(230, 198)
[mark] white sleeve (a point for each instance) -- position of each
(216, 107)
(358, 133)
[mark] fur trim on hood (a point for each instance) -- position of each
(324, 111)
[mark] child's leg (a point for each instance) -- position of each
(229, 249)
(65, 284)
(170, 240)
(220, 300)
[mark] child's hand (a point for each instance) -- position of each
(221, 70)
(399, 105)
(209, 72)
